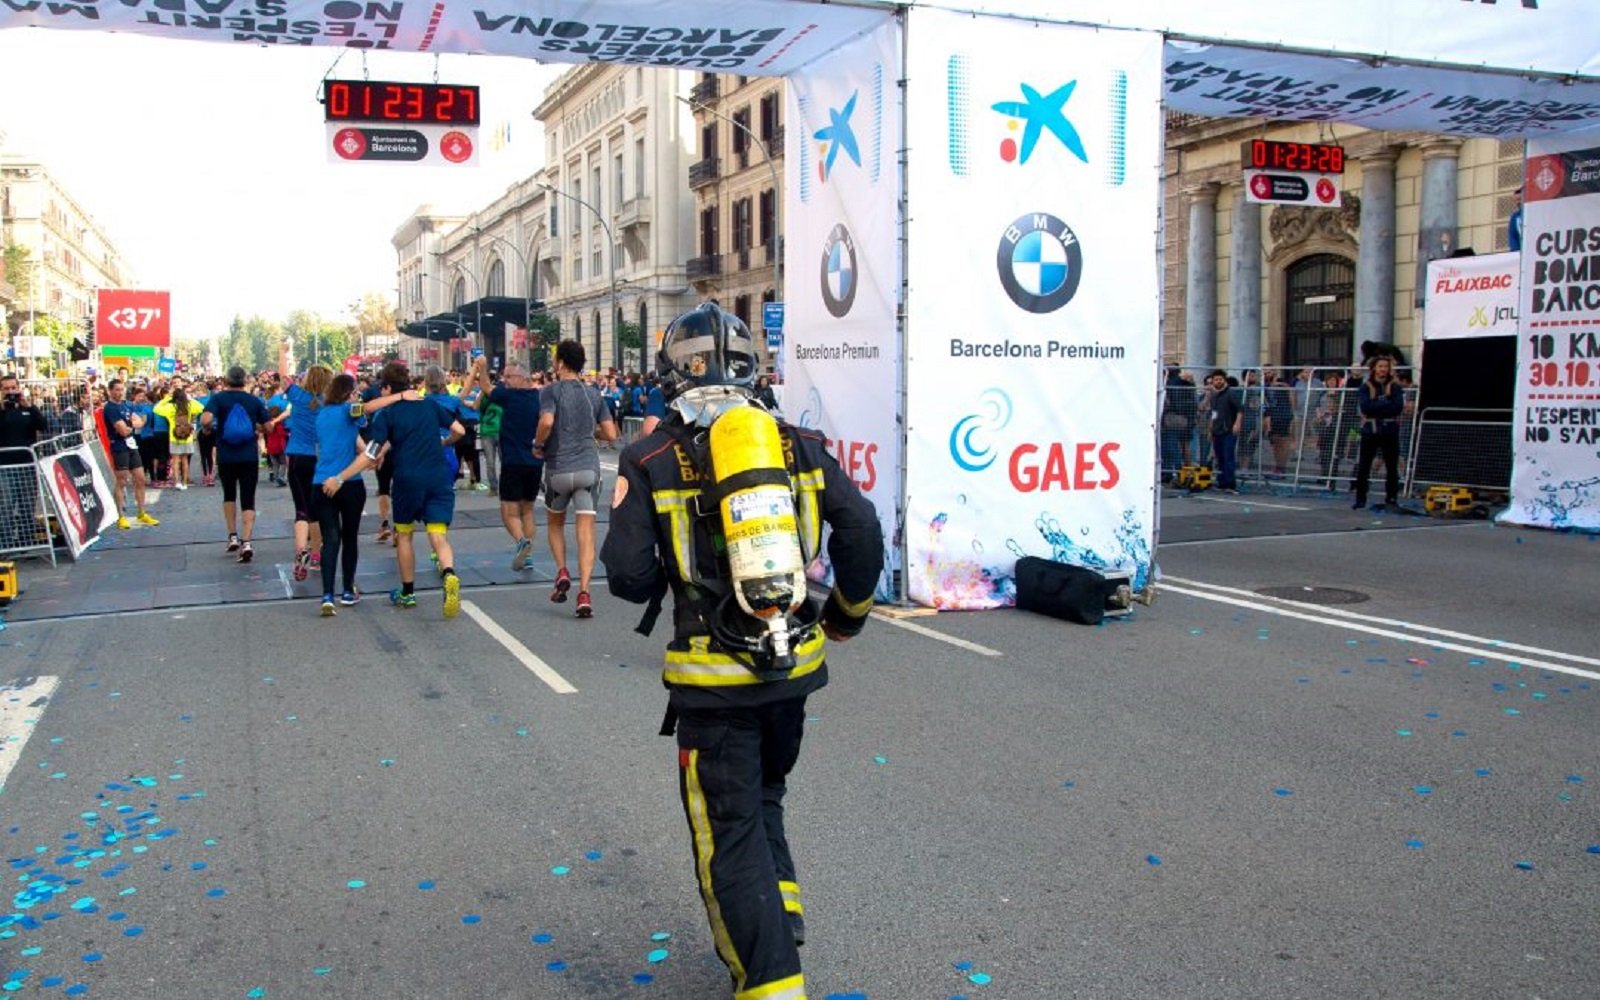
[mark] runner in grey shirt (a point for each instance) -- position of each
(572, 418)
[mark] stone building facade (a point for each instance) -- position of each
(1249, 285)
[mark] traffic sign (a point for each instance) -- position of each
(772, 316)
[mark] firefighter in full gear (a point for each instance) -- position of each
(724, 505)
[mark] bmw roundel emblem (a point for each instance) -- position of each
(1040, 262)
(839, 271)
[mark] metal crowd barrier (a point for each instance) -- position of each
(1461, 447)
(1319, 450)
(28, 525)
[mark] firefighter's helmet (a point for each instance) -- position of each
(706, 346)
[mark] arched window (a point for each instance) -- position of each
(496, 285)
(458, 294)
(1319, 311)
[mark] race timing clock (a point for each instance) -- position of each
(1297, 157)
(380, 102)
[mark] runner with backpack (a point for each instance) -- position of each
(238, 416)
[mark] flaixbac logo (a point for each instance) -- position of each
(839, 271)
(1040, 262)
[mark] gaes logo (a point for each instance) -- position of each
(839, 271)
(1035, 114)
(1040, 262)
(972, 437)
(837, 135)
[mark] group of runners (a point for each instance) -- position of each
(406, 432)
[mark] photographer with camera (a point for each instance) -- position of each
(21, 426)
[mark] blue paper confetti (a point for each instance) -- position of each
(556, 966)
(657, 955)
(1415, 844)
(1152, 859)
(660, 936)
(470, 918)
(1526, 866)
(1281, 792)
(542, 937)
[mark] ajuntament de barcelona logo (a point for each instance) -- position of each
(1040, 262)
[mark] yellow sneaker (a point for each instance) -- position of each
(144, 518)
(122, 523)
(452, 596)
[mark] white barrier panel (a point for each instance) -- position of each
(841, 346)
(1472, 297)
(83, 499)
(1033, 302)
(1555, 471)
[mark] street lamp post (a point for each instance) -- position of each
(478, 289)
(777, 294)
(527, 298)
(611, 256)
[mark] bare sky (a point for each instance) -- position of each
(205, 163)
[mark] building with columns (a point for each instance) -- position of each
(1249, 285)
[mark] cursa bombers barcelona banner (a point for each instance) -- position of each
(841, 347)
(1033, 302)
(1555, 468)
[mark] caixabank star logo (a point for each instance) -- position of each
(1040, 262)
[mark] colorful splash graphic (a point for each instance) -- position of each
(952, 582)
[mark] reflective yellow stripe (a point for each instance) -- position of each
(697, 666)
(791, 897)
(704, 847)
(788, 988)
(675, 504)
(856, 610)
(807, 485)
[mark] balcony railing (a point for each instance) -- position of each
(634, 212)
(704, 172)
(705, 91)
(774, 141)
(774, 249)
(704, 267)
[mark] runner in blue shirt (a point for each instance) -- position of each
(411, 428)
(305, 402)
(520, 470)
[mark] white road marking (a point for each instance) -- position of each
(930, 633)
(1350, 532)
(524, 655)
(1495, 652)
(21, 707)
(1413, 626)
(1247, 503)
(288, 588)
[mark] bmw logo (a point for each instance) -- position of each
(839, 271)
(1040, 262)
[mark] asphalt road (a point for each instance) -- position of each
(1222, 796)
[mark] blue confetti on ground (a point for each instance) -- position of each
(355, 883)
(658, 955)
(470, 918)
(1593, 848)
(1152, 859)
(560, 870)
(1414, 844)
(660, 936)
(1280, 792)
(542, 938)
(1423, 790)
(643, 979)
(1526, 866)
(593, 856)
(425, 885)
(556, 966)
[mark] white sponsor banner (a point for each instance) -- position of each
(1556, 36)
(841, 341)
(1033, 303)
(1230, 82)
(1472, 297)
(85, 505)
(754, 37)
(1555, 469)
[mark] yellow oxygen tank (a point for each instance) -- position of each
(758, 519)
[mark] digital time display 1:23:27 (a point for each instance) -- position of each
(399, 103)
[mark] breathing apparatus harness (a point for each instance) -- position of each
(760, 619)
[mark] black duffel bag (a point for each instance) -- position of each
(1062, 590)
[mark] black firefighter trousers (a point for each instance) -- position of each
(732, 766)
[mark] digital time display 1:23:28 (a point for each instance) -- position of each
(399, 103)
(1300, 157)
